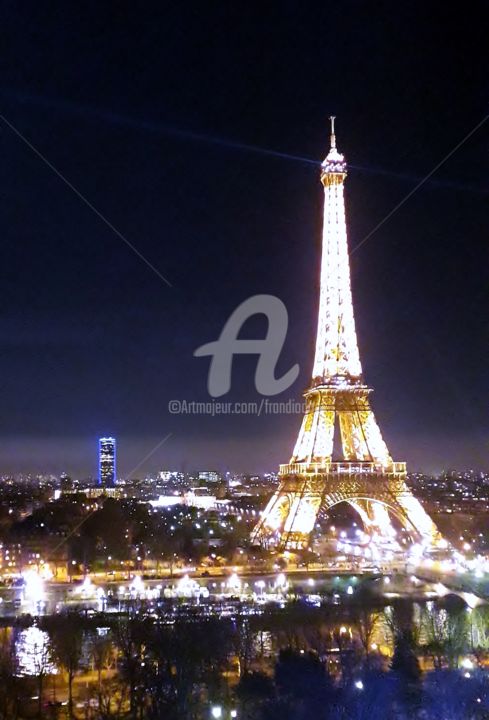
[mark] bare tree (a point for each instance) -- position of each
(366, 622)
(66, 640)
(35, 658)
(478, 630)
(103, 654)
(9, 680)
(244, 638)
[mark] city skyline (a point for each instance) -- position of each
(93, 339)
(82, 462)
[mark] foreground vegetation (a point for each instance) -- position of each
(173, 662)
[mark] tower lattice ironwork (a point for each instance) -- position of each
(366, 477)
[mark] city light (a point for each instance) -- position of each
(137, 587)
(34, 589)
(87, 588)
(281, 582)
(234, 582)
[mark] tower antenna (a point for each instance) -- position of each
(332, 135)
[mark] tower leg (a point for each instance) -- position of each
(412, 508)
(375, 518)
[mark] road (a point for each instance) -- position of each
(315, 579)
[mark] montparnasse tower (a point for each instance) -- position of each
(366, 477)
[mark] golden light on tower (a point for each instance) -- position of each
(367, 477)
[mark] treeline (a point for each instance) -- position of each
(124, 530)
(297, 663)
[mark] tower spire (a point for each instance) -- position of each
(332, 136)
(334, 164)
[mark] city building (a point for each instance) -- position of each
(209, 476)
(106, 461)
(166, 475)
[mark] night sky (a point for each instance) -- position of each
(196, 129)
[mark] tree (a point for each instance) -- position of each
(478, 621)
(200, 653)
(102, 653)
(447, 632)
(404, 661)
(372, 695)
(253, 690)
(9, 680)
(366, 622)
(35, 658)
(405, 668)
(452, 696)
(457, 635)
(433, 623)
(132, 636)
(306, 557)
(244, 642)
(181, 661)
(301, 678)
(66, 634)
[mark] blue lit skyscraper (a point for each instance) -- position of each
(106, 462)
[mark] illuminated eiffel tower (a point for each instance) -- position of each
(367, 478)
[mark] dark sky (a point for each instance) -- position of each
(147, 110)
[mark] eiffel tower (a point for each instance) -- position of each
(367, 478)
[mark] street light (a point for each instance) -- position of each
(216, 711)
